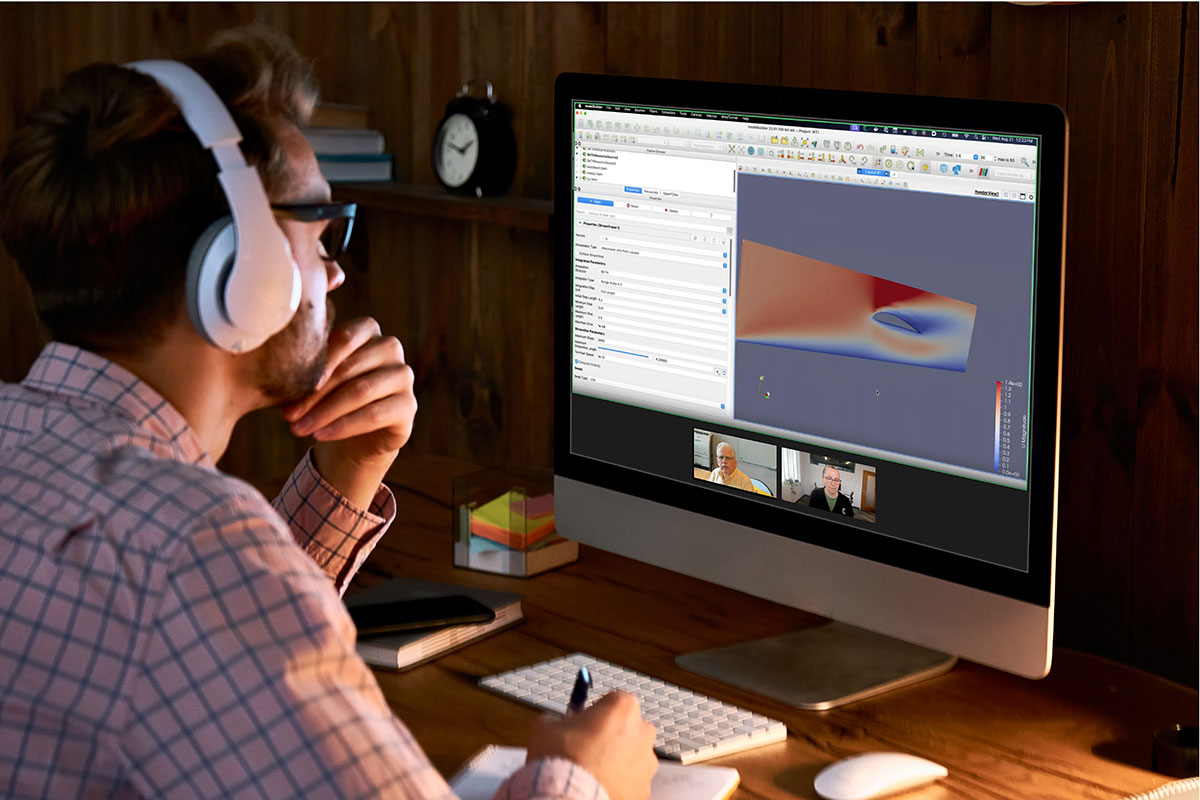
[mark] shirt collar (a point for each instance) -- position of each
(69, 371)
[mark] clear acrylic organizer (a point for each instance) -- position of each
(504, 523)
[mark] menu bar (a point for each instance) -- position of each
(868, 150)
(790, 123)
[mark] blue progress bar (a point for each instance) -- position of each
(626, 352)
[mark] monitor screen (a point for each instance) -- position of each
(830, 316)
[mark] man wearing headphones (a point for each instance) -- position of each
(164, 631)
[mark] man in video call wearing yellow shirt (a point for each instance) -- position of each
(727, 472)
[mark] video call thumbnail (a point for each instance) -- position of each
(829, 484)
(736, 462)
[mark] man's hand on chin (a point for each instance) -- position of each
(362, 411)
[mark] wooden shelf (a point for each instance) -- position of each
(434, 201)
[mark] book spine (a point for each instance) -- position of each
(350, 142)
(426, 647)
(356, 168)
(378, 656)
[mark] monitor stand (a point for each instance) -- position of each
(820, 668)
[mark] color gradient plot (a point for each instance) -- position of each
(789, 300)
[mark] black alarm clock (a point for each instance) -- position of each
(474, 150)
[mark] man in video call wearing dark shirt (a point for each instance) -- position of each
(164, 630)
(830, 498)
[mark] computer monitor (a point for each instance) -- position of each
(808, 347)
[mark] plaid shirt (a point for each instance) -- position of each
(162, 633)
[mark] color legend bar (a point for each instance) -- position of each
(997, 469)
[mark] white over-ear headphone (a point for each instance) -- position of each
(242, 283)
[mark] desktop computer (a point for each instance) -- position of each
(808, 347)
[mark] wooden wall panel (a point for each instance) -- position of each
(1029, 48)
(520, 48)
(1107, 108)
(333, 37)
(1163, 531)
(432, 59)
(392, 90)
(862, 46)
(465, 298)
(566, 38)
(416, 278)
(954, 49)
(737, 42)
(18, 327)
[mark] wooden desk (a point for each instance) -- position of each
(1083, 732)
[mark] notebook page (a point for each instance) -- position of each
(488, 768)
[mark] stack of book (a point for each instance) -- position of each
(346, 148)
(410, 648)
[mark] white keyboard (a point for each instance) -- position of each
(691, 727)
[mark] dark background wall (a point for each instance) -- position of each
(470, 300)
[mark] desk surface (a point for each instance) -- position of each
(1082, 732)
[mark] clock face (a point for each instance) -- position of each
(456, 150)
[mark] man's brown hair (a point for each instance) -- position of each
(104, 189)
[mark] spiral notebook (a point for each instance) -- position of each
(482, 775)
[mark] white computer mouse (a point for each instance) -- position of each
(869, 775)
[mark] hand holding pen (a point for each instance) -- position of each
(609, 739)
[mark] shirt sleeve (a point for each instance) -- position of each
(548, 778)
(249, 685)
(335, 533)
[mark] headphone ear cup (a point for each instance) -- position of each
(208, 268)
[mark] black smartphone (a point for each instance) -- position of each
(422, 613)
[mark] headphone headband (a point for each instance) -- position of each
(243, 285)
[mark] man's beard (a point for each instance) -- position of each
(293, 360)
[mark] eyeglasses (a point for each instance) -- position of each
(336, 234)
(833, 480)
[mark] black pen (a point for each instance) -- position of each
(583, 682)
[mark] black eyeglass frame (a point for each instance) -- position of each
(316, 212)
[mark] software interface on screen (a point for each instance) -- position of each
(836, 314)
